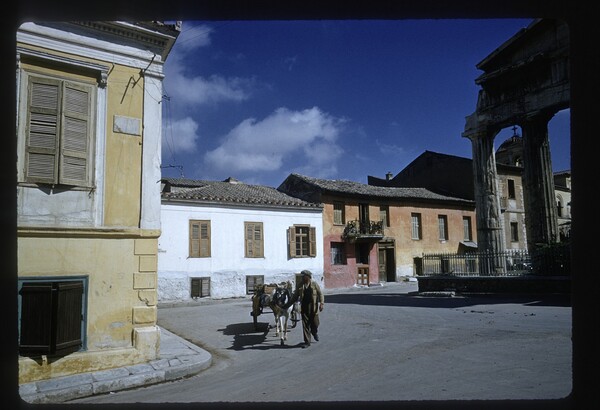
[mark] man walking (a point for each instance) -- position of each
(311, 303)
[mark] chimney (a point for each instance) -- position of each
(388, 176)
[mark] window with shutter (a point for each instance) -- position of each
(254, 240)
(58, 132)
(338, 213)
(252, 281)
(200, 287)
(302, 241)
(199, 238)
(51, 318)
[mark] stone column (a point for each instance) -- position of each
(487, 202)
(541, 217)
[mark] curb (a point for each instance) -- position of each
(179, 359)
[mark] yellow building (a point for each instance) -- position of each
(88, 194)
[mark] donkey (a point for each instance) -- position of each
(280, 297)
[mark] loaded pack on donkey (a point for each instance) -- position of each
(275, 297)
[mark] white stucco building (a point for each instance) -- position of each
(220, 238)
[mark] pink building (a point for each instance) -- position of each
(374, 234)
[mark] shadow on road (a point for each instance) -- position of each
(245, 337)
(412, 300)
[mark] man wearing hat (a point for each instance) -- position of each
(311, 303)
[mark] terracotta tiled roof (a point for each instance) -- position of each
(356, 188)
(230, 191)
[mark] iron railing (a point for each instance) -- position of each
(551, 260)
(357, 229)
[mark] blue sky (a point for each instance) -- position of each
(335, 99)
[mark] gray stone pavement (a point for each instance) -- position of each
(177, 359)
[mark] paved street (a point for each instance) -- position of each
(376, 344)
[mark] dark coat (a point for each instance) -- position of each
(317, 296)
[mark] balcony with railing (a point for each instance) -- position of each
(357, 231)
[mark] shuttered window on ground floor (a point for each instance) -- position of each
(252, 281)
(51, 317)
(200, 287)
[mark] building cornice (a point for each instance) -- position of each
(62, 232)
(85, 41)
(100, 69)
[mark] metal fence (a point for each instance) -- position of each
(548, 261)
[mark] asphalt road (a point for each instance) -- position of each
(376, 344)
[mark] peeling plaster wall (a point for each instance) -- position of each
(109, 232)
(121, 299)
(123, 176)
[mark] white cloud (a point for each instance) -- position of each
(323, 153)
(263, 145)
(200, 90)
(184, 87)
(193, 38)
(390, 149)
(181, 136)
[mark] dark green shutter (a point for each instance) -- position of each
(35, 335)
(51, 318)
(68, 317)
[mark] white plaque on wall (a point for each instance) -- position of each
(127, 125)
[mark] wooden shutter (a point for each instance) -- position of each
(258, 240)
(200, 287)
(205, 287)
(68, 317)
(252, 281)
(75, 135)
(195, 293)
(292, 241)
(338, 213)
(205, 239)
(199, 239)
(51, 318)
(249, 248)
(312, 248)
(254, 240)
(35, 336)
(194, 239)
(41, 159)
